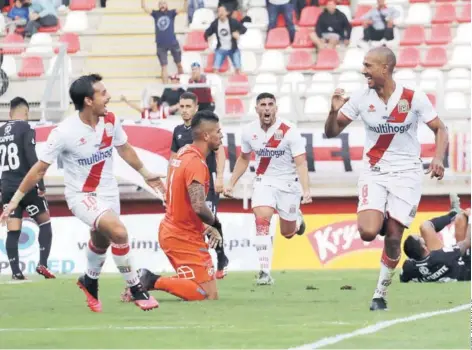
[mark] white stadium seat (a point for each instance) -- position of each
(353, 59)
(2, 25)
(215, 82)
(322, 83)
(401, 15)
(9, 65)
(430, 78)
(293, 82)
(458, 84)
(346, 10)
(406, 77)
(285, 105)
(418, 14)
(317, 105)
(257, 3)
(351, 76)
(188, 57)
(183, 79)
(251, 40)
(248, 61)
(350, 87)
(53, 61)
(266, 82)
(210, 4)
(463, 33)
(461, 56)
(202, 19)
(44, 39)
(455, 100)
(272, 61)
(357, 34)
(76, 22)
(259, 16)
(459, 73)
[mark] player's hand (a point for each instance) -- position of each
(306, 198)
(338, 100)
(436, 168)
(41, 193)
(219, 185)
(156, 183)
(7, 210)
(228, 192)
(214, 237)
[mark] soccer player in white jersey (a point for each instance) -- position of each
(280, 170)
(390, 183)
(85, 142)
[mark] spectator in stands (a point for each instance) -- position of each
(331, 28)
(171, 96)
(231, 5)
(378, 22)
(153, 112)
(227, 32)
(18, 15)
(42, 14)
(285, 7)
(205, 99)
(192, 6)
(165, 36)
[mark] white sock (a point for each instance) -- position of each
(263, 244)
(387, 270)
(95, 259)
(122, 258)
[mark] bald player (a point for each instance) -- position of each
(389, 186)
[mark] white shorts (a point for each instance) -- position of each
(395, 193)
(89, 207)
(286, 203)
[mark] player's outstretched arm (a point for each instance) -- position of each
(302, 170)
(436, 168)
(336, 121)
(220, 168)
(239, 169)
(465, 244)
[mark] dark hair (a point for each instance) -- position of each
(202, 116)
(412, 248)
(82, 88)
(18, 102)
(265, 95)
(156, 99)
(189, 96)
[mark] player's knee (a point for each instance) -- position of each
(213, 295)
(425, 227)
(367, 233)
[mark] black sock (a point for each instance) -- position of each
(442, 221)
(44, 239)
(12, 251)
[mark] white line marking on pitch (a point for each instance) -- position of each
(106, 328)
(377, 327)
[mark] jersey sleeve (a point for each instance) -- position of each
(54, 146)
(351, 108)
(174, 147)
(196, 170)
(29, 147)
(245, 144)
(119, 137)
(449, 255)
(406, 274)
(423, 107)
(296, 142)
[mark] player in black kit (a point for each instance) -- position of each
(429, 260)
(17, 156)
(215, 161)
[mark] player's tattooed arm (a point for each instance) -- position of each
(465, 244)
(196, 192)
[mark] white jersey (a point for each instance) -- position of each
(87, 154)
(391, 142)
(274, 149)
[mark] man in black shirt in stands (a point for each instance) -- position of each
(215, 161)
(17, 156)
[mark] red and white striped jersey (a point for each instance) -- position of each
(86, 153)
(274, 149)
(391, 142)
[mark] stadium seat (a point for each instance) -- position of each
(430, 79)
(259, 16)
(266, 82)
(445, 13)
(458, 73)
(464, 14)
(351, 76)
(309, 16)
(72, 41)
(317, 105)
(281, 20)
(432, 99)
(285, 105)
(302, 39)
(215, 82)
(322, 82)
(272, 61)
(234, 107)
(346, 10)
(353, 59)
(461, 56)
(195, 42)
(82, 5)
(2, 25)
(242, 87)
(257, 3)
(31, 67)
(188, 58)
(463, 34)
(248, 61)
(439, 35)
(209, 64)
(293, 82)
(9, 66)
(418, 14)
(13, 38)
(251, 40)
(413, 36)
(278, 38)
(401, 15)
(435, 57)
(408, 57)
(455, 101)
(406, 77)
(43, 39)
(183, 80)
(52, 29)
(357, 35)
(53, 61)
(327, 59)
(202, 19)
(360, 11)
(76, 22)
(458, 84)
(350, 86)
(210, 4)
(300, 60)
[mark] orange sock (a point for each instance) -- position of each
(186, 289)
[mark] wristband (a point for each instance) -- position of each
(17, 197)
(145, 173)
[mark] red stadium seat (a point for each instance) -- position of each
(302, 39)
(408, 58)
(432, 98)
(234, 106)
(31, 67)
(416, 1)
(327, 59)
(13, 38)
(52, 29)
(281, 20)
(309, 16)
(209, 66)
(277, 38)
(445, 13)
(82, 5)
(360, 11)
(464, 16)
(413, 36)
(72, 41)
(195, 41)
(440, 35)
(300, 60)
(237, 90)
(435, 57)
(338, 2)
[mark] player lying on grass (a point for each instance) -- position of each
(188, 220)
(429, 260)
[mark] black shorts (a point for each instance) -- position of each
(212, 200)
(31, 202)
(175, 51)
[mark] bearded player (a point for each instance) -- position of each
(281, 177)
(390, 184)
